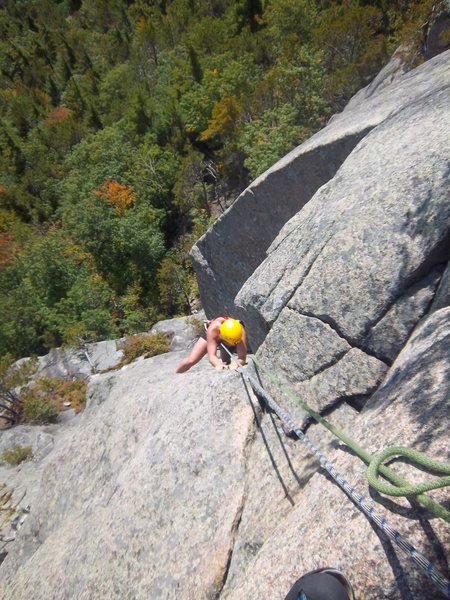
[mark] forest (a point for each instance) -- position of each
(127, 127)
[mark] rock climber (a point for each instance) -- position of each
(222, 330)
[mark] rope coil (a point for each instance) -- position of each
(407, 490)
(415, 490)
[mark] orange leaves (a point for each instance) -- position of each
(57, 116)
(8, 248)
(119, 195)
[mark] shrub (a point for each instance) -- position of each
(146, 345)
(16, 454)
(38, 408)
(13, 376)
(73, 392)
(41, 401)
(60, 392)
(48, 397)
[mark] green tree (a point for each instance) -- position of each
(106, 154)
(176, 279)
(84, 313)
(42, 291)
(153, 173)
(267, 138)
(44, 154)
(126, 248)
(122, 121)
(290, 22)
(249, 13)
(353, 47)
(225, 77)
(132, 314)
(191, 190)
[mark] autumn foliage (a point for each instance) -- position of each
(223, 118)
(58, 115)
(7, 248)
(119, 195)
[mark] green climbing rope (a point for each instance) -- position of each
(400, 486)
(407, 490)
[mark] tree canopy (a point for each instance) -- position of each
(127, 126)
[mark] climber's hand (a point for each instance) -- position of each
(221, 367)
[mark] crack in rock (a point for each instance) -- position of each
(233, 534)
(234, 529)
(327, 320)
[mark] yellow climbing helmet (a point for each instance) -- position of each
(231, 331)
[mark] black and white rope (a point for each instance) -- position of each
(417, 557)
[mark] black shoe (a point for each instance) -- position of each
(323, 584)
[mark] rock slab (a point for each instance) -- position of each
(146, 492)
(374, 238)
(324, 528)
(227, 255)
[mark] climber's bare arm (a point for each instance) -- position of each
(211, 347)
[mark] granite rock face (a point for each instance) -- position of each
(95, 357)
(184, 330)
(81, 362)
(146, 492)
(227, 255)
(374, 237)
(351, 275)
(323, 528)
(180, 485)
(38, 439)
